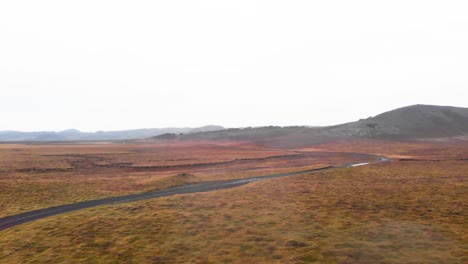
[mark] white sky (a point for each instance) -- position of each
(109, 65)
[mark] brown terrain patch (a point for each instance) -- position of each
(400, 212)
(40, 176)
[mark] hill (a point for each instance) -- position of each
(75, 135)
(416, 122)
(411, 122)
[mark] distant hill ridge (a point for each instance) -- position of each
(76, 135)
(416, 122)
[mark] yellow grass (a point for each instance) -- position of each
(401, 212)
(40, 176)
(403, 149)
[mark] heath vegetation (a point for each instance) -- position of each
(39, 176)
(400, 212)
(410, 210)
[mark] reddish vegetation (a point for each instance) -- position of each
(40, 176)
(402, 149)
(397, 212)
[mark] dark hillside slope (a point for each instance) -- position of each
(272, 136)
(411, 122)
(417, 122)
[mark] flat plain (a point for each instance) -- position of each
(409, 210)
(40, 176)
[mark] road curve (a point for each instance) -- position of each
(14, 220)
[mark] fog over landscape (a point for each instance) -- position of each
(250, 131)
(116, 65)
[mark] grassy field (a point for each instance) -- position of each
(407, 211)
(401, 150)
(39, 176)
(401, 212)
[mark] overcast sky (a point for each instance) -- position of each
(109, 65)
